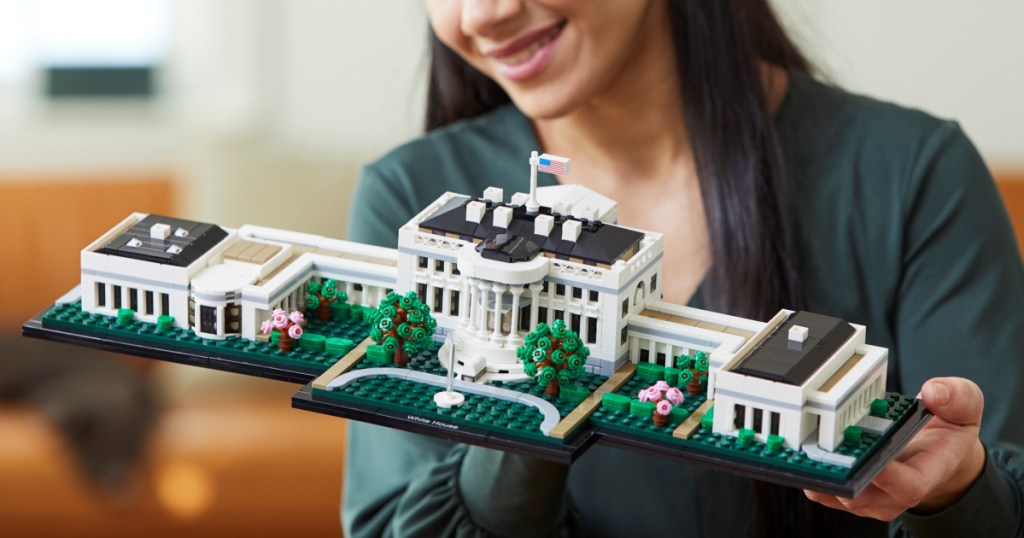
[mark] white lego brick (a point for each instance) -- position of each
(502, 216)
(838, 459)
(585, 212)
(520, 198)
(571, 230)
(475, 211)
(798, 333)
(543, 224)
(875, 425)
(561, 207)
(160, 231)
(494, 194)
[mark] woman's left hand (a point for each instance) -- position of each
(937, 467)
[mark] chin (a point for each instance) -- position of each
(543, 105)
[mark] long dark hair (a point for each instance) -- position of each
(719, 46)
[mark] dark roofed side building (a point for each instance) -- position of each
(780, 359)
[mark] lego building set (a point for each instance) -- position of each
(533, 323)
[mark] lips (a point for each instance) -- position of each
(527, 56)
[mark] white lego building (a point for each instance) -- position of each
(491, 271)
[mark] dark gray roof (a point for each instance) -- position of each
(188, 241)
(776, 359)
(598, 242)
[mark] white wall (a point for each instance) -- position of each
(959, 60)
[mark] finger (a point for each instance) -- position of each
(954, 399)
(905, 484)
(830, 501)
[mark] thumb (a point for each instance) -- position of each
(954, 399)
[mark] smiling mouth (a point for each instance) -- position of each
(520, 52)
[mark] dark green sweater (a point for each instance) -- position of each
(900, 229)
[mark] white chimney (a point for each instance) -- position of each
(159, 231)
(494, 194)
(571, 230)
(798, 334)
(520, 198)
(475, 211)
(543, 224)
(502, 216)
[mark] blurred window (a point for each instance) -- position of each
(99, 48)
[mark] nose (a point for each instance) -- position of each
(483, 17)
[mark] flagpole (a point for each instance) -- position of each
(532, 206)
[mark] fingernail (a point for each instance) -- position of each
(939, 393)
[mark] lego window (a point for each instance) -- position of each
(593, 296)
(207, 319)
(148, 302)
(576, 320)
(623, 336)
(421, 291)
(758, 420)
(455, 269)
(577, 293)
(422, 262)
(439, 266)
(559, 290)
(96, 49)
(739, 416)
(438, 300)
(101, 294)
(542, 315)
(453, 298)
(591, 330)
(133, 299)
(773, 427)
(654, 281)
(524, 318)
(165, 304)
(625, 307)
(117, 297)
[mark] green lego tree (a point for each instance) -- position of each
(555, 355)
(694, 371)
(321, 296)
(402, 325)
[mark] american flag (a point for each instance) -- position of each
(553, 164)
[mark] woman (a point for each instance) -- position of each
(772, 190)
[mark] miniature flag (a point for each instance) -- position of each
(553, 164)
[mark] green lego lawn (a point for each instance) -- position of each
(71, 317)
(900, 407)
(480, 412)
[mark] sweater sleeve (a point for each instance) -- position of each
(959, 313)
(402, 484)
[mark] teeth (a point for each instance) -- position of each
(528, 52)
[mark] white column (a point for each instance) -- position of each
(499, 294)
(481, 329)
(471, 289)
(221, 321)
(534, 299)
(464, 303)
(748, 417)
(513, 335)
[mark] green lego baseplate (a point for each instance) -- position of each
(70, 317)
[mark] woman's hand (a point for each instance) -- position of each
(937, 467)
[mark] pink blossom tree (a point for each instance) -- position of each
(288, 326)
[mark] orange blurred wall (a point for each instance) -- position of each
(48, 219)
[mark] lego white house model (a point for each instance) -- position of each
(491, 268)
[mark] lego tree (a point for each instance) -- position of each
(402, 325)
(694, 371)
(288, 327)
(320, 296)
(554, 354)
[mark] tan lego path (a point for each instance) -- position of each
(583, 411)
(692, 422)
(343, 365)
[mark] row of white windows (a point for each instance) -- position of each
(863, 402)
(757, 423)
(121, 297)
(449, 268)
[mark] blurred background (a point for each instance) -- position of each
(209, 110)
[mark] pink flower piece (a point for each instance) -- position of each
(663, 408)
(674, 395)
(642, 395)
(277, 311)
(653, 394)
(661, 385)
(295, 332)
(280, 321)
(297, 317)
(267, 326)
